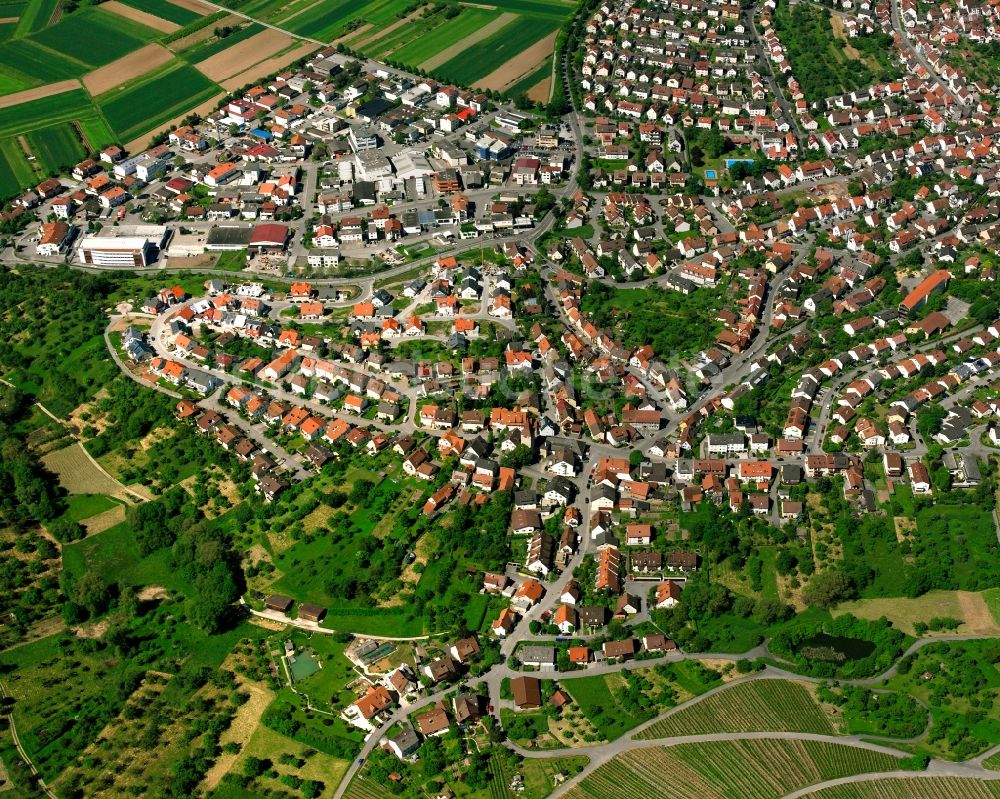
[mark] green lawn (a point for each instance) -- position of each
(599, 699)
(83, 506)
(115, 556)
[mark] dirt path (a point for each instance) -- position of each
(243, 55)
(473, 38)
(8, 20)
(268, 67)
(124, 69)
(142, 17)
(38, 92)
(387, 31)
(524, 63)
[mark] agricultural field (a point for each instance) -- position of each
(480, 46)
(78, 474)
(165, 10)
(15, 172)
(56, 148)
(919, 788)
(756, 706)
(754, 769)
(506, 45)
(437, 34)
(75, 34)
(214, 45)
(146, 105)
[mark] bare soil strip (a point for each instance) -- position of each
(473, 38)
(268, 67)
(142, 17)
(126, 68)
(195, 5)
(975, 611)
(300, 11)
(520, 65)
(141, 143)
(361, 31)
(399, 23)
(243, 55)
(204, 33)
(104, 521)
(8, 20)
(541, 91)
(479, 5)
(38, 92)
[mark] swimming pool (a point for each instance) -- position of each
(731, 161)
(710, 174)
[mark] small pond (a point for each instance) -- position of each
(835, 648)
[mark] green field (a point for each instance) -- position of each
(75, 36)
(57, 147)
(443, 34)
(83, 506)
(142, 107)
(759, 706)
(97, 133)
(37, 64)
(164, 10)
(33, 16)
(327, 20)
(754, 769)
(115, 555)
(499, 48)
(15, 172)
(46, 126)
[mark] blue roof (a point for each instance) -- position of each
(262, 134)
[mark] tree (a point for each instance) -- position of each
(91, 592)
(828, 588)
